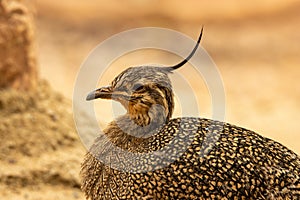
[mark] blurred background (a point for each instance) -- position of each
(255, 45)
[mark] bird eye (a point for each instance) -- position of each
(137, 87)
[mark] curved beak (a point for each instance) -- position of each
(103, 93)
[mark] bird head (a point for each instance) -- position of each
(144, 91)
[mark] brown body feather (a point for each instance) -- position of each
(242, 164)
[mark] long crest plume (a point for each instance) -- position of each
(171, 68)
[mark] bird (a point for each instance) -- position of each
(147, 154)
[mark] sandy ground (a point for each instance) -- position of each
(40, 152)
(255, 46)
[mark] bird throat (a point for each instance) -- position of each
(152, 116)
(134, 127)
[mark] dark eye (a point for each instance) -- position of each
(137, 87)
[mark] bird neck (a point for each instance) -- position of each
(126, 134)
(153, 110)
(143, 119)
(149, 117)
(135, 128)
(141, 125)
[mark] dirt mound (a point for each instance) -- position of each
(39, 149)
(18, 60)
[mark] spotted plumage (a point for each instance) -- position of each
(145, 154)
